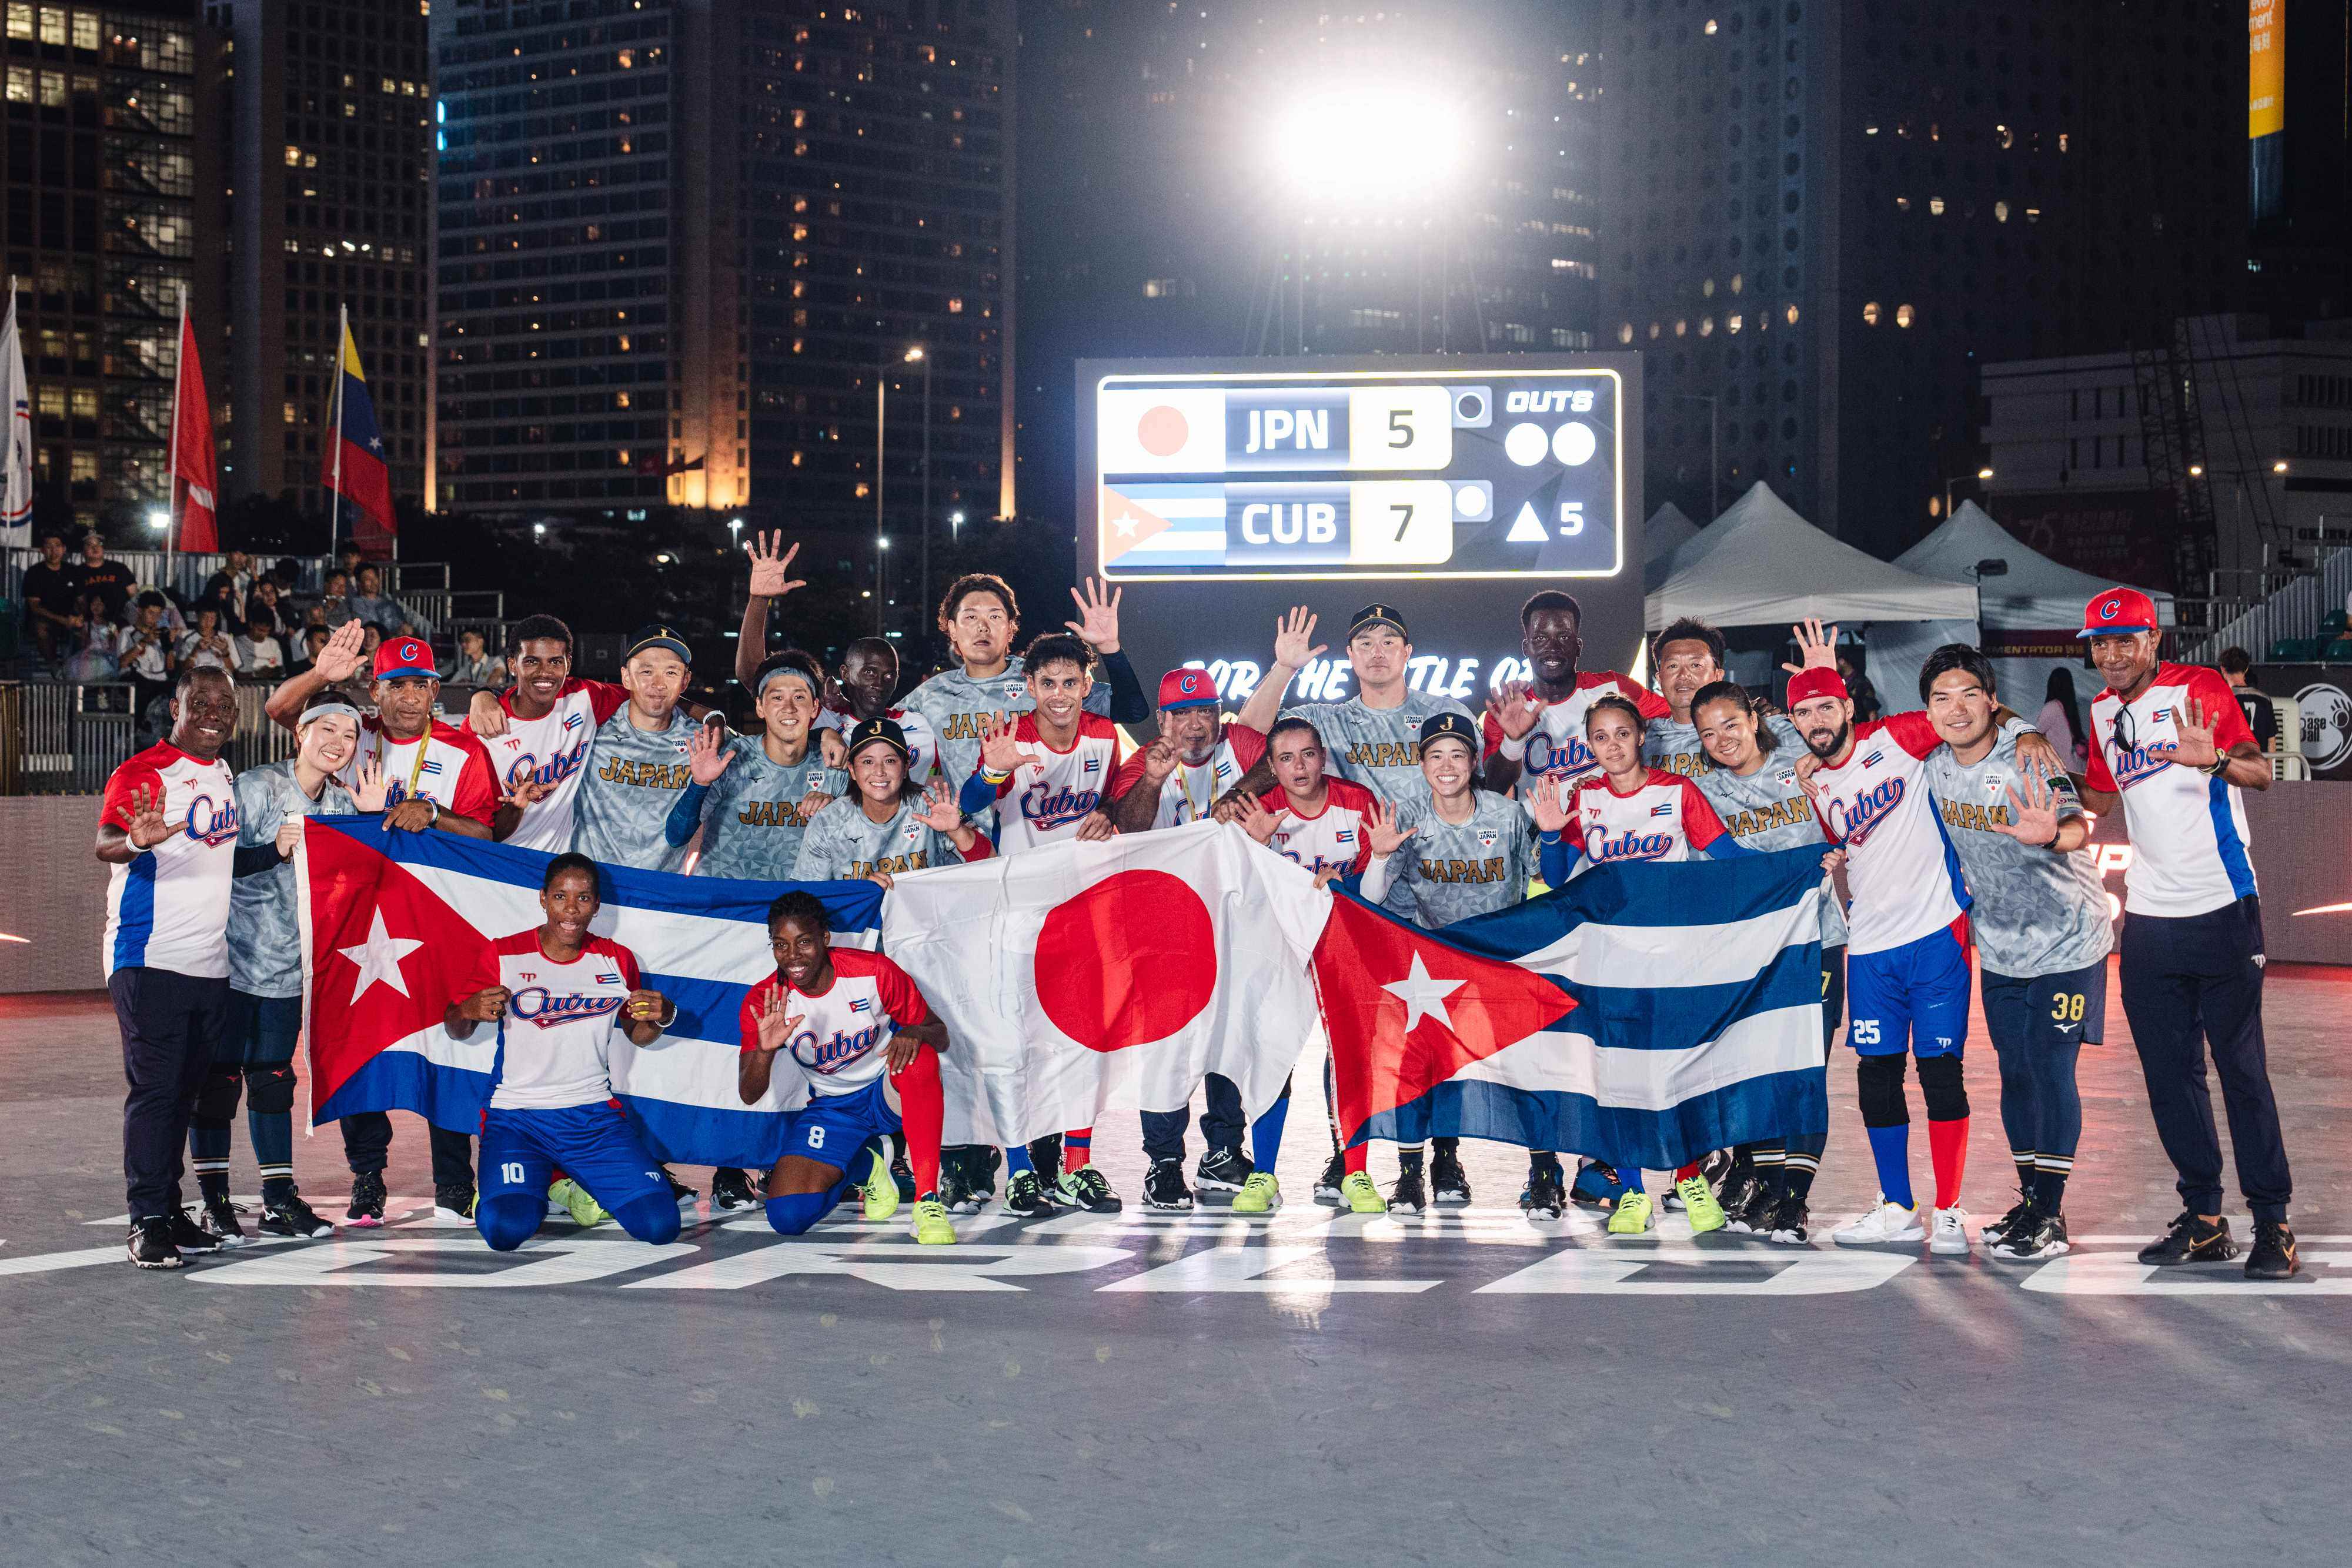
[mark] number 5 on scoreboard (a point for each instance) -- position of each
(1400, 522)
(1398, 427)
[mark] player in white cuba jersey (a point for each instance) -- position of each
(437, 778)
(167, 832)
(2170, 747)
(1761, 802)
(1046, 773)
(639, 766)
(1689, 657)
(2041, 929)
(888, 825)
(753, 796)
(539, 732)
(556, 994)
(856, 1028)
(1630, 812)
(989, 686)
(1466, 851)
(1535, 731)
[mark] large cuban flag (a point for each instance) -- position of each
(395, 923)
(1643, 1014)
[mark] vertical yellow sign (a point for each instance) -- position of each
(2265, 70)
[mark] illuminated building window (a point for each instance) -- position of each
(1792, 315)
(1903, 314)
(1870, 314)
(1625, 331)
(2001, 212)
(1901, 203)
(1936, 205)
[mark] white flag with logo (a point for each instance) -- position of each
(16, 438)
(1084, 978)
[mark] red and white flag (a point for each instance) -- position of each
(1081, 977)
(192, 446)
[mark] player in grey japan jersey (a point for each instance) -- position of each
(634, 778)
(1456, 870)
(2034, 913)
(1769, 810)
(844, 843)
(754, 820)
(264, 935)
(1675, 748)
(1378, 748)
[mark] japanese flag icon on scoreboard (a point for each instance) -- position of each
(1163, 431)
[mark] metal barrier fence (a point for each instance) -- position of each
(406, 580)
(62, 740)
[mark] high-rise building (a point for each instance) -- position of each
(324, 108)
(1165, 210)
(100, 225)
(680, 241)
(1820, 217)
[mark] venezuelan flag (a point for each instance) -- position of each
(361, 474)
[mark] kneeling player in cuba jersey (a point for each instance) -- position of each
(2041, 928)
(854, 1024)
(1630, 812)
(1473, 852)
(556, 994)
(1317, 822)
(1045, 775)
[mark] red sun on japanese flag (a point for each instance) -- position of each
(1130, 960)
(1162, 430)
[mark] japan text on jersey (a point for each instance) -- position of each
(168, 908)
(1905, 877)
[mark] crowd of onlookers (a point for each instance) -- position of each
(89, 621)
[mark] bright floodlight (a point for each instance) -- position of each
(159, 519)
(1366, 144)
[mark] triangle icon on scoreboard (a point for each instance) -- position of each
(1527, 528)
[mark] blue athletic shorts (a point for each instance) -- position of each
(261, 1031)
(2069, 1008)
(1913, 998)
(832, 1128)
(592, 1145)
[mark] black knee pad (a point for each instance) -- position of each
(1878, 1085)
(270, 1089)
(1940, 1081)
(216, 1096)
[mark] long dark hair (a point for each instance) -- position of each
(2061, 692)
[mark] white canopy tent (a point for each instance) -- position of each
(1761, 564)
(2029, 612)
(1666, 530)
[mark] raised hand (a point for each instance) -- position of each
(369, 785)
(771, 565)
(1095, 827)
(1817, 647)
(486, 1005)
(776, 1025)
(707, 755)
(339, 657)
(1098, 623)
(1159, 762)
(1549, 806)
(1294, 639)
(2036, 758)
(1517, 709)
(1383, 833)
(485, 715)
(1252, 817)
(939, 813)
(143, 819)
(2195, 747)
(2033, 816)
(998, 752)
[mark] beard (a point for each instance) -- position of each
(1836, 743)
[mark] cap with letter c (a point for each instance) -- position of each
(1371, 615)
(1187, 688)
(2117, 611)
(400, 656)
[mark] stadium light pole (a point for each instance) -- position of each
(1982, 474)
(915, 353)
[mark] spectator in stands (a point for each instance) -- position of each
(334, 606)
(313, 639)
(220, 597)
(260, 654)
(476, 666)
(2061, 722)
(98, 655)
(52, 602)
(268, 603)
(147, 659)
(348, 561)
(239, 571)
(1867, 708)
(98, 575)
(2237, 668)
(378, 608)
(207, 642)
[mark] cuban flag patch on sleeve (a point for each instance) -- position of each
(1664, 809)
(861, 1004)
(608, 980)
(428, 765)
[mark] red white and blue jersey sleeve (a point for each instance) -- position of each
(843, 1039)
(1650, 824)
(2191, 850)
(168, 908)
(1904, 874)
(555, 1042)
(1331, 840)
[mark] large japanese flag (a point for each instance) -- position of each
(1091, 977)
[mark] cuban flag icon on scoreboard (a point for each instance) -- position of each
(395, 923)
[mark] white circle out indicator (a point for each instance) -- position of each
(1525, 444)
(1573, 443)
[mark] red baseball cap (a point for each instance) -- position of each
(1807, 684)
(405, 656)
(1187, 688)
(2119, 610)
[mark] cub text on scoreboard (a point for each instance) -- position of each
(1471, 473)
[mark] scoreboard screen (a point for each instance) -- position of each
(1471, 473)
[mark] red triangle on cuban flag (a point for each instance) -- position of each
(1406, 1012)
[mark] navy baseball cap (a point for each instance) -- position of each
(1378, 615)
(1441, 725)
(878, 732)
(405, 656)
(646, 637)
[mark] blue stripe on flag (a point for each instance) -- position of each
(707, 1136)
(1777, 1105)
(707, 1009)
(449, 1097)
(1682, 892)
(1629, 1018)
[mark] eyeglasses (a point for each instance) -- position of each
(2126, 734)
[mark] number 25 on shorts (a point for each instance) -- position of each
(1864, 1031)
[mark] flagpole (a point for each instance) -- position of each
(172, 472)
(335, 434)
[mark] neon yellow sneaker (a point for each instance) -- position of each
(1361, 1197)
(1262, 1194)
(931, 1227)
(881, 1188)
(1705, 1212)
(585, 1210)
(1631, 1215)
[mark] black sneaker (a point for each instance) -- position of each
(2274, 1257)
(220, 1223)
(2189, 1240)
(1327, 1185)
(731, 1189)
(1544, 1197)
(1086, 1187)
(1024, 1197)
(2000, 1228)
(1409, 1196)
(292, 1218)
(458, 1202)
(190, 1237)
(1222, 1170)
(1163, 1186)
(680, 1194)
(367, 1200)
(1741, 1192)
(1791, 1223)
(2033, 1235)
(902, 1174)
(149, 1244)
(1754, 1216)
(1448, 1185)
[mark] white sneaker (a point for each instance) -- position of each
(1948, 1232)
(1883, 1224)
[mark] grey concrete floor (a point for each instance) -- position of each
(1310, 1390)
